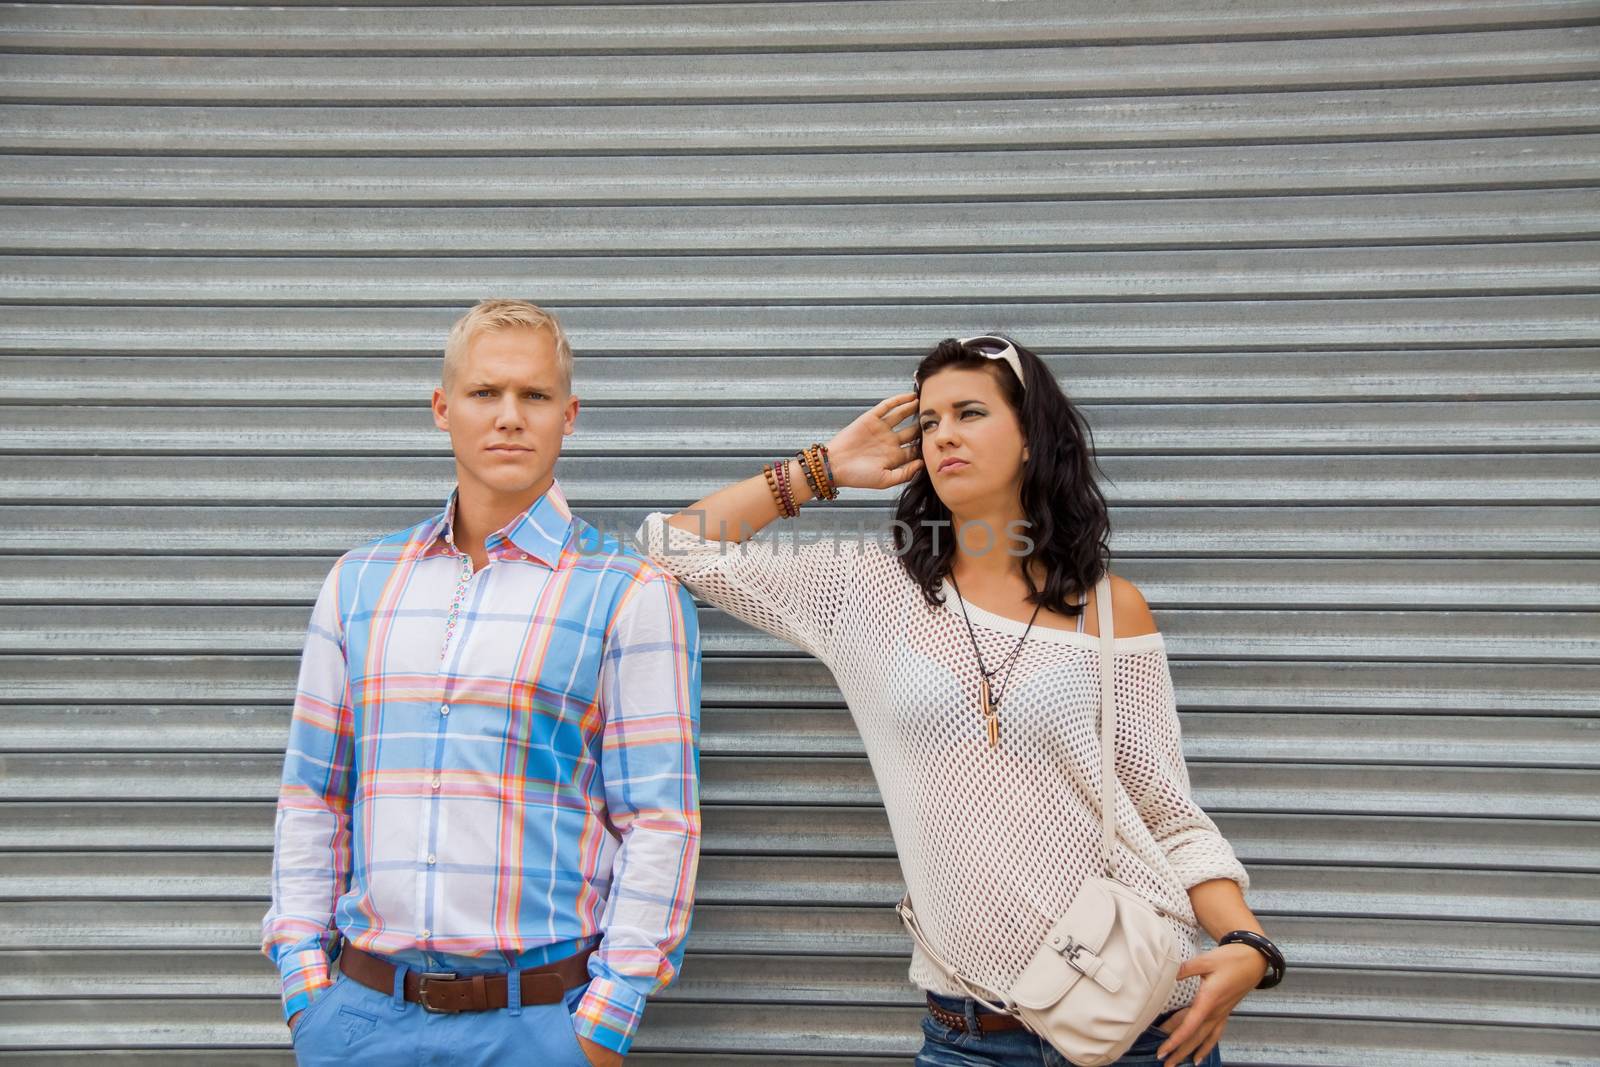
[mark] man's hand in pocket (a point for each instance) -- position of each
(599, 1055)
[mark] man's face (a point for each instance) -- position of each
(506, 411)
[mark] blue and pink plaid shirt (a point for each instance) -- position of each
(495, 769)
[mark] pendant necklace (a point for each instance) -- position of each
(989, 700)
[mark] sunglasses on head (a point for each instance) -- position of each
(993, 347)
(997, 348)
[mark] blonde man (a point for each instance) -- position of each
(489, 813)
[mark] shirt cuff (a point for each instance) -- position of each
(609, 1014)
(1204, 857)
(304, 974)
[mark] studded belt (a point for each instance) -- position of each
(988, 1021)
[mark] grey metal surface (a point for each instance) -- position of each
(956, 174)
(580, 129)
(471, 27)
(627, 281)
(996, 73)
(1561, 214)
(1323, 277)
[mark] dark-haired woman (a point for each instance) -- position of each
(968, 655)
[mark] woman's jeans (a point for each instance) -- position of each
(944, 1047)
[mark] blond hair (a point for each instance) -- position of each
(492, 315)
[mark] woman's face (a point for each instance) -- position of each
(972, 442)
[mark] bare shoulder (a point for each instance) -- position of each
(1130, 615)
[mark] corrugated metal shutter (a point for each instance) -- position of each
(1323, 274)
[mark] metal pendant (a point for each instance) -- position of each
(990, 718)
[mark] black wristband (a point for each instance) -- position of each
(1275, 961)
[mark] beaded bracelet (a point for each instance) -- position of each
(809, 469)
(769, 472)
(792, 507)
(819, 473)
(814, 461)
(786, 506)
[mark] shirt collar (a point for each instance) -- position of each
(540, 531)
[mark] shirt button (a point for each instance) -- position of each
(436, 783)
(445, 710)
(431, 859)
(425, 934)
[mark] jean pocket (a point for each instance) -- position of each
(938, 1032)
(1143, 1051)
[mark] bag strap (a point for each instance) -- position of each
(977, 992)
(1108, 725)
(1108, 829)
(1108, 741)
(1108, 826)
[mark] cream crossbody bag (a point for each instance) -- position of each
(1105, 968)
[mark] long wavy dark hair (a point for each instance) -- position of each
(1063, 505)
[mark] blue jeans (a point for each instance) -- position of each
(349, 1025)
(944, 1047)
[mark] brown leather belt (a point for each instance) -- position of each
(989, 1022)
(443, 991)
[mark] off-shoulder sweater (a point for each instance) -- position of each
(993, 842)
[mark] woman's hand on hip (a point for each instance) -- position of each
(1227, 974)
(871, 454)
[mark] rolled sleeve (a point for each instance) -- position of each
(303, 972)
(609, 1014)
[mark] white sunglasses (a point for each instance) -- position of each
(997, 348)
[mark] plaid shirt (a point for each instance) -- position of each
(495, 769)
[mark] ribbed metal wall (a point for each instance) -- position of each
(1323, 274)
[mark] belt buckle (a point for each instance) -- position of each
(423, 978)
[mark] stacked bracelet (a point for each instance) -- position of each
(770, 472)
(818, 471)
(819, 456)
(777, 475)
(810, 471)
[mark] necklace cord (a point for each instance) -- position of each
(1010, 661)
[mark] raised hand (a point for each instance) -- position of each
(871, 454)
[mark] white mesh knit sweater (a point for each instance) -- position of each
(993, 843)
